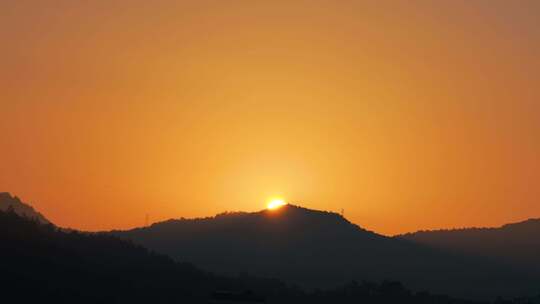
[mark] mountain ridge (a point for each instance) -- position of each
(235, 215)
(8, 201)
(512, 243)
(316, 249)
(49, 263)
(472, 228)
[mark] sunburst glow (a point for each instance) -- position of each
(275, 203)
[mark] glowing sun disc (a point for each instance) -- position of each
(275, 204)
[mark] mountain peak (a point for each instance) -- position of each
(297, 211)
(7, 201)
(6, 196)
(297, 208)
(288, 217)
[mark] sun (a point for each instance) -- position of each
(275, 203)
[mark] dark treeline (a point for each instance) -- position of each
(42, 263)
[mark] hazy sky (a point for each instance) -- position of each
(407, 114)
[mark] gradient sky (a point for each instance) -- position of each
(407, 114)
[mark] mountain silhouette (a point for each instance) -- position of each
(12, 202)
(322, 249)
(517, 244)
(41, 263)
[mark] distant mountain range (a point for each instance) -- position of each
(517, 244)
(300, 246)
(7, 201)
(321, 249)
(41, 263)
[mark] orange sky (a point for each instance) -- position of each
(407, 114)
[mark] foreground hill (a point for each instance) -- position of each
(321, 249)
(516, 244)
(43, 264)
(12, 202)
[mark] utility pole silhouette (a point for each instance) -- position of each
(342, 212)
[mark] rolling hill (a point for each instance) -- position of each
(516, 244)
(43, 263)
(321, 249)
